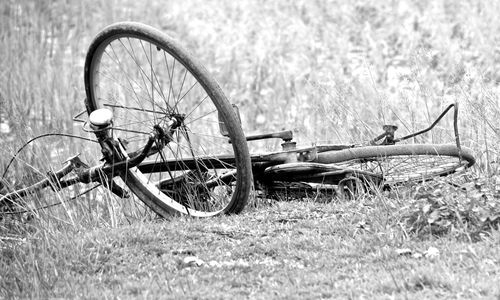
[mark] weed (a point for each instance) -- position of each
(438, 208)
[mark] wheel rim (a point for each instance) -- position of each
(407, 168)
(138, 78)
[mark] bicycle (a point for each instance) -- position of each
(167, 130)
(357, 168)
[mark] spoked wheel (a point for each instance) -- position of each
(149, 81)
(403, 163)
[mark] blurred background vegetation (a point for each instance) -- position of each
(333, 71)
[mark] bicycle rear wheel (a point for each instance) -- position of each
(147, 79)
(403, 163)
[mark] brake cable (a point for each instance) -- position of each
(38, 137)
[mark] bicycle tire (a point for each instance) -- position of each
(147, 78)
(403, 163)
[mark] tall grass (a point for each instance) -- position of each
(333, 71)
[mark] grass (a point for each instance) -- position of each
(331, 71)
(287, 250)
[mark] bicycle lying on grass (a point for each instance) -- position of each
(347, 170)
(166, 129)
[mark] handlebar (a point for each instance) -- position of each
(83, 175)
(388, 135)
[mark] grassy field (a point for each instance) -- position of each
(333, 71)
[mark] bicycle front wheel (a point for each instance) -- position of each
(147, 80)
(403, 163)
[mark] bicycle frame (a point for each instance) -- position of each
(290, 152)
(115, 162)
(156, 104)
